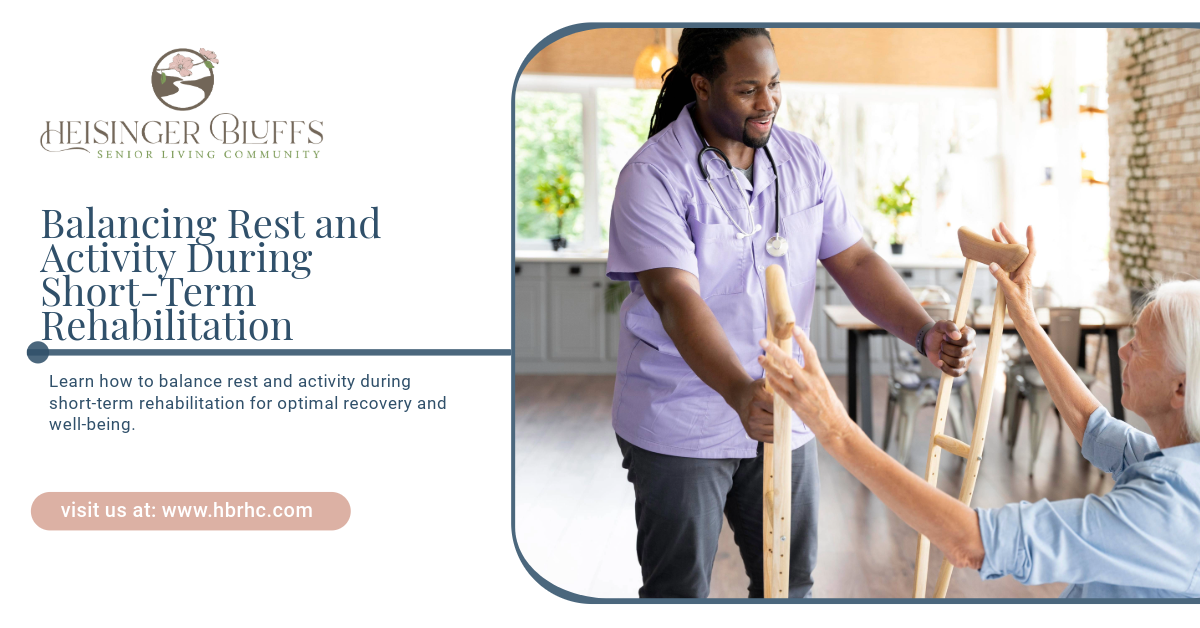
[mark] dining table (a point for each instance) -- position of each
(1093, 320)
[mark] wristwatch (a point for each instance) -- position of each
(921, 337)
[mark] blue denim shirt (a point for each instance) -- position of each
(1139, 540)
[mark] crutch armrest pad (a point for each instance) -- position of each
(779, 307)
(985, 250)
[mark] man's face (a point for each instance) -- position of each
(743, 100)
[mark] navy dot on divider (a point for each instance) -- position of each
(37, 352)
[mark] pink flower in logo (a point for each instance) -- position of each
(210, 55)
(182, 64)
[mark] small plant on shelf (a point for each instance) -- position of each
(557, 196)
(1043, 94)
(894, 205)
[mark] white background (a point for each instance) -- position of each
(416, 108)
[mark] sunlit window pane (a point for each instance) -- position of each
(888, 144)
(815, 116)
(624, 122)
(549, 141)
(966, 168)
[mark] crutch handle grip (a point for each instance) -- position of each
(985, 250)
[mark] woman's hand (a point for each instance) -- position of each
(1018, 285)
(1075, 403)
(806, 389)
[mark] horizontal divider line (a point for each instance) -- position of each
(281, 352)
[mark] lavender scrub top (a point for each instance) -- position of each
(665, 216)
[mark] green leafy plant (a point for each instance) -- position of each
(614, 295)
(1043, 95)
(556, 196)
(894, 205)
(1045, 92)
(549, 135)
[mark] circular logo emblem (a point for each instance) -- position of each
(183, 78)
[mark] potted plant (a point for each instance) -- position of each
(556, 196)
(1043, 94)
(894, 205)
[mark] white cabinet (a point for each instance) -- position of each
(561, 323)
(614, 334)
(918, 276)
(577, 321)
(530, 318)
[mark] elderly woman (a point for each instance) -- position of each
(1139, 540)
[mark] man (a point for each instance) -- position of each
(690, 400)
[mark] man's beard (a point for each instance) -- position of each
(755, 142)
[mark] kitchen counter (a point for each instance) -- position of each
(565, 322)
(601, 257)
(566, 255)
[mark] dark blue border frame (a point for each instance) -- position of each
(575, 28)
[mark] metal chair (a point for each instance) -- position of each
(913, 383)
(1066, 336)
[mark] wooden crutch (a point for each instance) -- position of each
(777, 457)
(977, 249)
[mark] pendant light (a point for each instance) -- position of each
(651, 63)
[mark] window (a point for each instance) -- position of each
(887, 152)
(943, 139)
(549, 141)
(624, 124)
(590, 126)
(966, 161)
(815, 115)
(1058, 158)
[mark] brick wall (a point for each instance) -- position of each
(1154, 149)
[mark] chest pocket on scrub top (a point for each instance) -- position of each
(720, 256)
(802, 228)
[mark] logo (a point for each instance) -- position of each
(183, 78)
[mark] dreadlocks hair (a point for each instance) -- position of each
(701, 51)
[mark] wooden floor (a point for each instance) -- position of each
(574, 507)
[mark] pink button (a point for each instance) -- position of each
(190, 511)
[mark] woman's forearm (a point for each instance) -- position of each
(1074, 401)
(950, 525)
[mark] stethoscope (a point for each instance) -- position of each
(776, 244)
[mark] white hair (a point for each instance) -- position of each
(1179, 307)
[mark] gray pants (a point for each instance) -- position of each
(678, 504)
